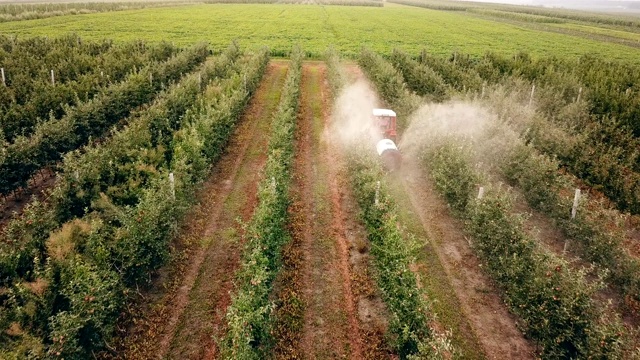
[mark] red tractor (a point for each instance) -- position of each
(386, 121)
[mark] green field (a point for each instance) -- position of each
(316, 27)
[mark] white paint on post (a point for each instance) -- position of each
(377, 200)
(576, 200)
(481, 192)
(579, 94)
(172, 183)
(533, 91)
(3, 79)
(53, 78)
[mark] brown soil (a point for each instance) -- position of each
(183, 321)
(15, 202)
(493, 324)
(335, 319)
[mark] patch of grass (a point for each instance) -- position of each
(316, 27)
(434, 279)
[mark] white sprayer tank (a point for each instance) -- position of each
(384, 145)
(388, 152)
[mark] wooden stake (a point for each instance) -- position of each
(53, 78)
(172, 183)
(533, 91)
(576, 200)
(579, 94)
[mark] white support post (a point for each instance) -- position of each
(533, 91)
(480, 192)
(172, 183)
(377, 200)
(150, 78)
(102, 74)
(579, 94)
(53, 78)
(3, 79)
(576, 200)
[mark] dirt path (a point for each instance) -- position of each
(319, 272)
(38, 186)
(493, 325)
(186, 320)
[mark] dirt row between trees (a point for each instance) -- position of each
(185, 313)
(327, 306)
(327, 303)
(489, 319)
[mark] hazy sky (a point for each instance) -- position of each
(605, 5)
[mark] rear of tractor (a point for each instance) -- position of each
(385, 120)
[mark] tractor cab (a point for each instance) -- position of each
(385, 120)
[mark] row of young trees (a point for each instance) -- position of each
(250, 315)
(411, 318)
(596, 148)
(30, 93)
(53, 138)
(553, 300)
(597, 232)
(596, 103)
(528, 13)
(85, 264)
(18, 12)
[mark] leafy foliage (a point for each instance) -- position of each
(250, 315)
(553, 301)
(53, 138)
(421, 79)
(116, 246)
(390, 85)
(411, 315)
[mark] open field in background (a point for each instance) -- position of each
(317, 27)
(230, 205)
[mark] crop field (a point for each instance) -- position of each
(317, 27)
(201, 181)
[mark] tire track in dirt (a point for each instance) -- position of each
(316, 262)
(493, 324)
(320, 331)
(203, 319)
(187, 317)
